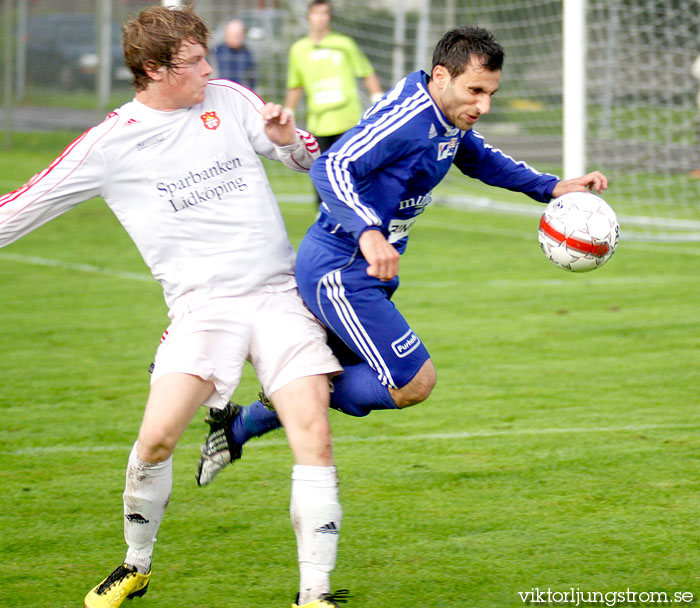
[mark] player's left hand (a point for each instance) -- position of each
(591, 181)
(279, 124)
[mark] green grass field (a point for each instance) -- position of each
(559, 449)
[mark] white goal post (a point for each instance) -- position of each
(574, 93)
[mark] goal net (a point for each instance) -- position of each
(641, 102)
(642, 126)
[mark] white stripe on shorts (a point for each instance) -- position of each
(336, 294)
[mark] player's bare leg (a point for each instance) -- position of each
(172, 402)
(302, 406)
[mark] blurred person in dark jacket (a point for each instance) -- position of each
(234, 60)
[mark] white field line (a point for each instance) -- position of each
(571, 280)
(691, 227)
(686, 230)
(587, 279)
(645, 241)
(37, 261)
(465, 435)
(656, 247)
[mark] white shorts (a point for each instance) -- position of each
(213, 338)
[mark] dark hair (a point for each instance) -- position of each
(154, 37)
(319, 3)
(462, 44)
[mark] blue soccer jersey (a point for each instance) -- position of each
(381, 172)
(379, 176)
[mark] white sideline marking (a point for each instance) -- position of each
(637, 240)
(146, 278)
(652, 245)
(120, 274)
(456, 202)
(465, 201)
(378, 438)
(578, 281)
(588, 280)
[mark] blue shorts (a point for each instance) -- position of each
(357, 308)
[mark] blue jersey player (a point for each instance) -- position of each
(375, 182)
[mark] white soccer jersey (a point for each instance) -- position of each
(188, 186)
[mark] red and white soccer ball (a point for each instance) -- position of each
(578, 231)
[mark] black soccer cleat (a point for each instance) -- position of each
(219, 449)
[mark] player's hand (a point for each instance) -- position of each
(382, 257)
(591, 181)
(279, 124)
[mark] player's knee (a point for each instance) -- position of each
(429, 378)
(426, 389)
(419, 393)
(311, 444)
(419, 388)
(317, 438)
(155, 446)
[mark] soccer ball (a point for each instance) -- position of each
(578, 231)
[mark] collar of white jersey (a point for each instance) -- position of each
(152, 113)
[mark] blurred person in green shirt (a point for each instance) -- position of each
(325, 66)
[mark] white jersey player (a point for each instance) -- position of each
(180, 168)
(187, 185)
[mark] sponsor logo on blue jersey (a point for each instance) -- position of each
(406, 344)
(417, 202)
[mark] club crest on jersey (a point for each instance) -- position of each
(211, 120)
(446, 149)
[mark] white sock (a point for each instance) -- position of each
(147, 492)
(316, 516)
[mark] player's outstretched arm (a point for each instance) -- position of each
(591, 181)
(78, 174)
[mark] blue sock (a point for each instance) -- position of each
(253, 421)
(358, 391)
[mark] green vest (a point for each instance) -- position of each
(328, 73)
